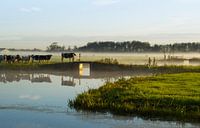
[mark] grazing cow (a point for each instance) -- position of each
(41, 57)
(25, 58)
(68, 55)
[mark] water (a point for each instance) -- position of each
(40, 100)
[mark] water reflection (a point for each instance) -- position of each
(66, 78)
(9, 77)
(69, 81)
(39, 78)
(42, 97)
(84, 69)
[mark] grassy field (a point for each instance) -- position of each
(137, 59)
(121, 59)
(171, 96)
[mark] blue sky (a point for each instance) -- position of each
(37, 23)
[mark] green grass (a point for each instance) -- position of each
(165, 96)
(93, 58)
(18, 65)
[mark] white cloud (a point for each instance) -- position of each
(30, 97)
(105, 2)
(30, 10)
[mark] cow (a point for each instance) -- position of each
(25, 58)
(12, 58)
(68, 55)
(41, 57)
(48, 57)
(17, 58)
(2, 58)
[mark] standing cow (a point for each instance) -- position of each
(41, 57)
(70, 56)
(25, 58)
(12, 58)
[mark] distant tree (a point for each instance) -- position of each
(109, 46)
(75, 48)
(69, 48)
(55, 47)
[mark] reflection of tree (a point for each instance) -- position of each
(68, 82)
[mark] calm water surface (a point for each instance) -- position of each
(40, 100)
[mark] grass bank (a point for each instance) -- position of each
(98, 66)
(169, 96)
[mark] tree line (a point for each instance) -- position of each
(128, 46)
(139, 47)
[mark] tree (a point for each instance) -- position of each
(55, 47)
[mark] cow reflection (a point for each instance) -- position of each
(25, 77)
(68, 82)
(40, 78)
(12, 77)
(7, 77)
(2, 78)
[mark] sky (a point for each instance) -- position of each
(38, 23)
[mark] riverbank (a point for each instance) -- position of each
(169, 96)
(98, 66)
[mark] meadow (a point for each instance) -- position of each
(169, 96)
(123, 58)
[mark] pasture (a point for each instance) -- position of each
(122, 58)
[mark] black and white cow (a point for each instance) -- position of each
(25, 58)
(69, 56)
(41, 57)
(12, 58)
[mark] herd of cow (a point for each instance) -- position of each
(38, 58)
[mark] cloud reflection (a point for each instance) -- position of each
(30, 97)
